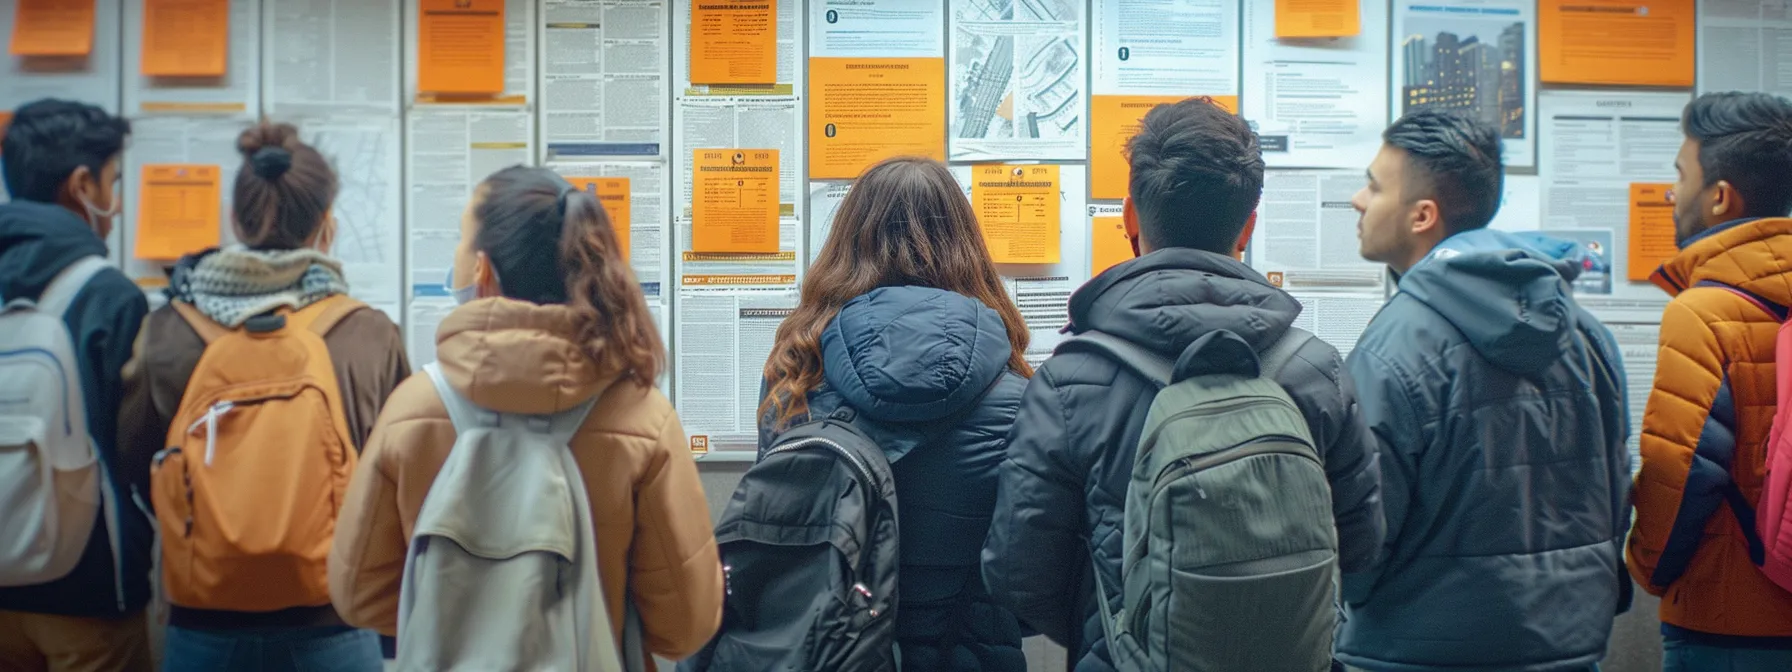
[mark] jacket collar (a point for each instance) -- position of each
(1738, 253)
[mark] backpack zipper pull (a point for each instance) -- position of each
(210, 420)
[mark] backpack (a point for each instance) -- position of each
(1765, 529)
(258, 461)
(1230, 546)
(501, 573)
(52, 486)
(809, 554)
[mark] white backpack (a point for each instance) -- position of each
(502, 568)
(52, 486)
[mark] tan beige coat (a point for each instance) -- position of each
(653, 532)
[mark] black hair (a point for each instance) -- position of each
(48, 139)
(1455, 160)
(1197, 174)
(1745, 139)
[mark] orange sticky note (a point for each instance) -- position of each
(185, 38)
(1109, 245)
(865, 110)
(1634, 42)
(734, 41)
(177, 210)
(1318, 18)
(460, 46)
(612, 193)
(734, 205)
(1018, 208)
(1113, 121)
(53, 28)
(1651, 229)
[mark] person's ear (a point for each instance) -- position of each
(1129, 216)
(1426, 217)
(485, 277)
(1726, 202)
(325, 235)
(76, 188)
(1244, 237)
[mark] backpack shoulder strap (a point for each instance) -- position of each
(60, 293)
(1273, 360)
(324, 315)
(1778, 311)
(207, 328)
(467, 415)
(461, 412)
(1152, 366)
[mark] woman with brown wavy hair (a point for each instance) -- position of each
(552, 318)
(904, 319)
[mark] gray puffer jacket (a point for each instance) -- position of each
(1499, 404)
(1071, 454)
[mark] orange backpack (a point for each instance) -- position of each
(257, 464)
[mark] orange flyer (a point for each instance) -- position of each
(53, 28)
(178, 210)
(734, 204)
(612, 193)
(460, 47)
(1109, 246)
(1651, 229)
(1113, 121)
(865, 110)
(1317, 18)
(1630, 42)
(1018, 207)
(185, 38)
(734, 41)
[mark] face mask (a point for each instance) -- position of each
(96, 216)
(461, 295)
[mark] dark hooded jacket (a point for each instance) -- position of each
(1063, 485)
(1499, 405)
(37, 241)
(927, 371)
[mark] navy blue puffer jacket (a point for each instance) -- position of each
(927, 370)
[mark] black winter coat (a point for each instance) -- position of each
(927, 371)
(1063, 486)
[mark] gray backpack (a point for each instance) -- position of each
(502, 568)
(1230, 544)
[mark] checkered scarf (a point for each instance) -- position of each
(234, 284)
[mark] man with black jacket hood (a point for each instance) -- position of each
(61, 168)
(1197, 174)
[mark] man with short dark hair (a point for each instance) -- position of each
(1197, 175)
(1705, 431)
(62, 170)
(1498, 403)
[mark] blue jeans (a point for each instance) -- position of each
(1678, 656)
(336, 649)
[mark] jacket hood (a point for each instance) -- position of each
(1750, 254)
(1510, 299)
(518, 357)
(1169, 298)
(913, 354)
(37, 240)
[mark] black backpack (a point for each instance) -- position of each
(809, 554)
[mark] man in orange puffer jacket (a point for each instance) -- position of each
(1705, 429)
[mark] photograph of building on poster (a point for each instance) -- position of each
(1474, 65)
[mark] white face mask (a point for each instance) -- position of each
(461, 295)
(96, 216)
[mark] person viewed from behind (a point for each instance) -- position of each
(552, 321)
(1197, 175)
(1498, 403)
(74, 548)
(903, 321)
(1706, 426)
(249, 397)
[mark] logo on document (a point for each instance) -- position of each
(740, 158)
(1275, 279)
(700, 444)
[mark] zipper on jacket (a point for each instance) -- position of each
(858, 465)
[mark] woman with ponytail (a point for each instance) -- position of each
(551, 318)
(222, 540)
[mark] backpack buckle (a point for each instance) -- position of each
(265, 323)
(843, 414)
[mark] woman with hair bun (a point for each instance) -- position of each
(246, 526)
